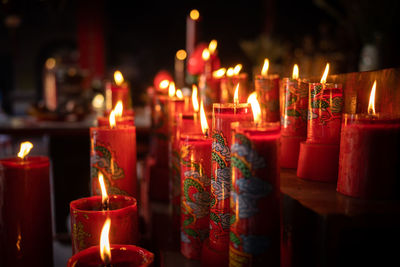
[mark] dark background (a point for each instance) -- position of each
(142, 37)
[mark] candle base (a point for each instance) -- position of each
(212, 257)
(318, 162)
(290, 149)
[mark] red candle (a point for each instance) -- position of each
(255, 197)
(195, 171)
(223, 116)
(122, 117)
(191, 30)
(113, 153)
(267, 88)
(88, 216)
(294, 103)
(25, 218)
(229, 83)
(121, 256)
(369, 162)
(319, 154)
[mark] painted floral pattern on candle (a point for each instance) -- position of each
(247, 191)
(325, 113)
(220, 187)
(195, 207)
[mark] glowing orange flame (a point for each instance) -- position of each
(24, 149)
(255, 106)
(371, 105)
(323, 79)
(194, 98)
(237, 69)
(164, 84)
(194, 14)
(104, 195)
(206, 54)
(171, 89)
(295, 74)
(118, 78)
(212, 46)
(105, 251)
(179, 94)
(264, 70)
(203, 120)
(50, 63)
(111, 119)
(119, 108)
(236, 95)
(219, 73)
(181, 54)
(229, 72)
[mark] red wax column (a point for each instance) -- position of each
(228, 86)
(319, 154)
(87, 220)
(223, 116)
(209, 88)
(185, 123)
(255, 196)
(267, 88)
(294, 107)
(25, 221)
(113, 153)
(120, 121)
(195, 171)
(121, 256)
(369, 161)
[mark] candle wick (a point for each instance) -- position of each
(105, 206)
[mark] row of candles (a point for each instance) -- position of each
(226, 180)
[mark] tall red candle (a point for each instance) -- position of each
(255, 197)
(118, 91)
(294, 107)
(195, 171)
(223, 116)
(228, 85)
(25, 221)
(113, 153)
(121, 256)
(87, 219)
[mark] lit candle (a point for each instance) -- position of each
(25, 218)
(122, 117)
(118, 91)
(88, 215)
(294, 107)
(180, 67)
(267, 88)
(115, 255)
(192, 30)
(223, 116)
(255, 196)
(369, 165)
(319, 154)
(195, 170)
(113, 153)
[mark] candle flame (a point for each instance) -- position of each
(194, 98)
(219, 73)
(194, 14)
(181, 54)
(237, 69)
(229, 72)
(203, 120)
(236, 95)
(255, 106)
(104, 195)
(105, 251)
(295, 74)
(171, 89)
(323, 79)
(164, 84)
(264, 70)
(24, 149)
(212, 46)
(179, 94)
(50, 63)
(206, 54)
(119, 108)
(371, 105)
(111, 119)
(118, 78)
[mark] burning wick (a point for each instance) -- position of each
(105, 202)
(255, 106)
(236, 98)
(371, 105)
(203, 120)
(105, 251)
(24, 150)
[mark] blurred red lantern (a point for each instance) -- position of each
(161, 80)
